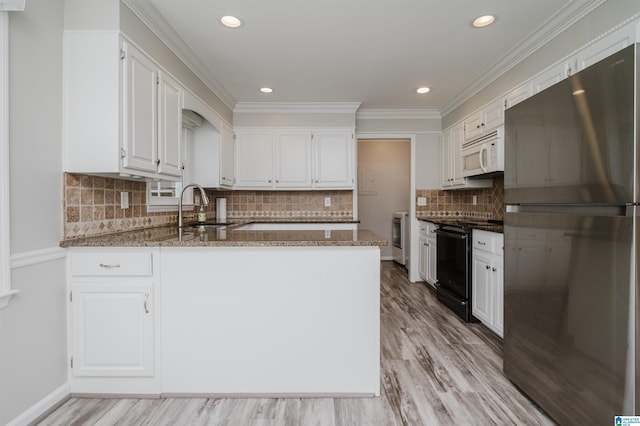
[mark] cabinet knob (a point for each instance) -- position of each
(478, 126)
(493, 269)
(488, 267)
(277, 180)
(269, 181)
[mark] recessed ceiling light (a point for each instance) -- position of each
(422, 90)
(230, 21)
(266, 90)
(483, 21)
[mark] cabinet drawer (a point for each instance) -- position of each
(422, 225)
(491, 242)
(111, 264)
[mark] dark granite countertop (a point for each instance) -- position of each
(467, 222)
(230, 236)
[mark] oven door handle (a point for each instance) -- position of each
(451, 234)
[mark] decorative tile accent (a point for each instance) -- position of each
(283, 204)
(490, 202)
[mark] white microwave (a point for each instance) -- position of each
(484, 154)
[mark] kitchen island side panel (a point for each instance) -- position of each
(271, 321)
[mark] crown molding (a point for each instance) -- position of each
(552, 28)
(297, 107)
(159, 26)
(398, 114)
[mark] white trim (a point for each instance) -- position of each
(572, 13)
(5, 224)
(398, 114)
(43, 407)
(34, 257)
(298, 107)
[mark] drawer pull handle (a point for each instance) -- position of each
(481, 243)
(106, 265)
(146, 300)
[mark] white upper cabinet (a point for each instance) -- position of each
(552, 75)
(171, 93)
(517, 95)
(254, 159)
(489, 118)
(140, 150)
(227, 163)
(122, 111)
(334, 159)
(606, 46)
(294, 159)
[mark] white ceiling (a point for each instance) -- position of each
(377, 52)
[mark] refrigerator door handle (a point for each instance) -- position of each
(621, 210)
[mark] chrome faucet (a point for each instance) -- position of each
(203, 196)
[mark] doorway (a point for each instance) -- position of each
(384, 185)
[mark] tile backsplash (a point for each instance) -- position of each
(91, 206)
(490, 202)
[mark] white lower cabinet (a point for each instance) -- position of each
(112, 330)
(113, 321)
(428, 252)
(488, 279)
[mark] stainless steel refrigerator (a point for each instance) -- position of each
(571, 190)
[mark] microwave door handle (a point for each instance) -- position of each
(483, 150)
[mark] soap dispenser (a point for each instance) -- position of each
(202, 215)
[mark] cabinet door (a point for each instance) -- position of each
(457, 138)
(254, 159)
(446, 158)
(170, 134)
(473, 126)
(227, 161)
(140, 112)
(481, 289)
(292, 159)
(423, 264)
(333, 160)
(517, 95)
(112, 330)
(498, 295)
(432, 261)
(493, 116)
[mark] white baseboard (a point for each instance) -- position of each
(386, 257)
(43, 407)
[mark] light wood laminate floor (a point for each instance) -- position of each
(436, 370)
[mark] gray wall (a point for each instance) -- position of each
(33, 326)
(606, 16)
(386, 165)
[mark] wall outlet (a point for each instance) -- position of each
(327, 201)
(422, 201)
(475, 200)
(327, 233)
(124, 200)
(196, 200)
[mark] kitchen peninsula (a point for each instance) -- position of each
(226, 311)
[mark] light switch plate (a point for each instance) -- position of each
(475, 200)
(422, 201)
(124, 200)
(327, 201)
